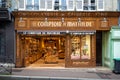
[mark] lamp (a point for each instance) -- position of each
(67, 31)
(46, 19)
(104, 20)
(20, 19)
(79, 20)
(62, 19)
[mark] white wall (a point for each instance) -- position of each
(110, 5)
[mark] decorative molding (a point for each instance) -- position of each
(64, 14)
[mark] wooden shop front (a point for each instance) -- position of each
(67, 35)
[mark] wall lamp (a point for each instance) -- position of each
(104, 20)
(21, 19)
(63, 20)
(46, 19)
(79, 20)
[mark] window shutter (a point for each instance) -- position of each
(21, 5)
(100, 5)
(79, 5)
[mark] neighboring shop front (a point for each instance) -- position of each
(54, 35)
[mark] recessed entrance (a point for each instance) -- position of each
(43, 51)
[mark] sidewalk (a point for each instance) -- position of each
(60, 72)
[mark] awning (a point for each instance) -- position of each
(49, 32)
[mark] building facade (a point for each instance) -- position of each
(71, 31)
(6, 33)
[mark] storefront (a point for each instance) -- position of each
(54, 35)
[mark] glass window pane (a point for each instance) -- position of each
(63, 5)
(36, 4)
(85, 47)
(49, 4)
(93, 6)
(86, 5)
(29, 5)
(70, 4)
(56, 5)
(21, 4)
(75, 55)
(118, 5)
(0, 3)
(79, 4)
(100, 4)
(42, 4)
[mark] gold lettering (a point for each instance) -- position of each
(60, 24)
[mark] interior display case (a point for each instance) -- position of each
(30, 50)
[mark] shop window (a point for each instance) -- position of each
(80, 47)
(75, 48)
(85, 47)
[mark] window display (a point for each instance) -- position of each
(85, 47)
(80, 47)
(75, 47)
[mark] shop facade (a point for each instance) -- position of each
(72, 36)
(111, 50)
(6, 36)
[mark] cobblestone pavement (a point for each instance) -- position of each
(89, 73)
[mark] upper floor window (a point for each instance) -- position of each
(0, 3)
(56, 5)
(89, 5)
(118, 5)
(100, 5)
(32, 4)
(63, 5)
(4, 3)
(21, 4)
(70, 5)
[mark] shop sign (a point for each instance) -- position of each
(61, 24)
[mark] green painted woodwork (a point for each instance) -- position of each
(109, 40)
